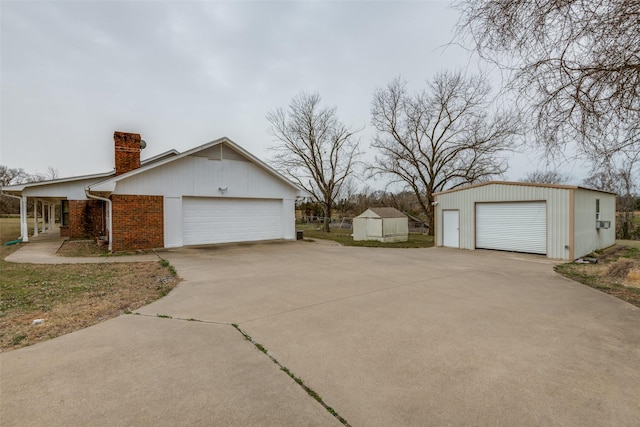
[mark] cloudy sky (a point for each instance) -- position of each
(183, 73)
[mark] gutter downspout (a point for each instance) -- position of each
(104, 199)
(23, 233)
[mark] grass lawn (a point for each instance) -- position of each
(70, 297)
(10, 228)
(617, 272)
(343, 236)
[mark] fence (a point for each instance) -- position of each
(346, 223)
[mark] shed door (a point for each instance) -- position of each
(451, 229)
(518, 227)
(217, 220)
(374, 227)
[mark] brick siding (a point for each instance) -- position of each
(138, 222)
(87, 219)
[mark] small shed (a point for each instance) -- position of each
(559, 221)
(382, 224)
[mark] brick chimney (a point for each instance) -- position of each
(127, 150)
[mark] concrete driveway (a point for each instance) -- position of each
(384, 336)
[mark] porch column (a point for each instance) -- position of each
(35, 217)
(24, 227)
(52, 216)
(44, 222)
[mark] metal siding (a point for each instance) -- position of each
(557, 200)
(218, 220)
(515, 226)
(587, 237)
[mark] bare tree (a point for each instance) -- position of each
(546, 177)
(440, 138)
(316, 150)
(575, 64)
(9, 176)
(52, 173)
(618, 176)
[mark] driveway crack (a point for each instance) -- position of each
(293, 376)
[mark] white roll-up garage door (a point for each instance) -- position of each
(217, 220)
(518, 227)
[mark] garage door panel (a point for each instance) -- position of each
(519, 227)
(214, 220)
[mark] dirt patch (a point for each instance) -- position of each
(72, 297)
(620, 269)
(80, 248)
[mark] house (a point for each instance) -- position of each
(382, 224)
(215, 193)
(559, 221)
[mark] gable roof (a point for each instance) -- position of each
(523, 184)
(385, 212)
(108, 185)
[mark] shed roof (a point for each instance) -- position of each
(386, 212)
(523, 184)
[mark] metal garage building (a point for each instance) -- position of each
(559, 221)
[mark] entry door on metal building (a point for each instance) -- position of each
(518, 227)
(451, 229)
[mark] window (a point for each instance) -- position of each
(64, 213)
(597, 209)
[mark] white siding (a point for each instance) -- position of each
(587, 237)
(70, 190)
(199, 176)
(172, 222)
(360, 228)
(557, 200)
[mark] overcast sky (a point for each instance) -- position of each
(185, 73)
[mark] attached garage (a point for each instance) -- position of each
(217, 220)
(214, 193)
(559, 221)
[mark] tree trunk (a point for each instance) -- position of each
(327, 219)
(431, 216)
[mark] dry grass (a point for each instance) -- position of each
(616, 273)
(72, 297)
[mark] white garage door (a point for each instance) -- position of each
(215, 220)
(519, 227)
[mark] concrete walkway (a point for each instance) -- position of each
(42, 250)
(384, 336)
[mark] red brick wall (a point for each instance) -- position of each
(127, 151)
(87, 219)
(138, 222)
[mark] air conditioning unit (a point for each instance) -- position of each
(603, 224)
